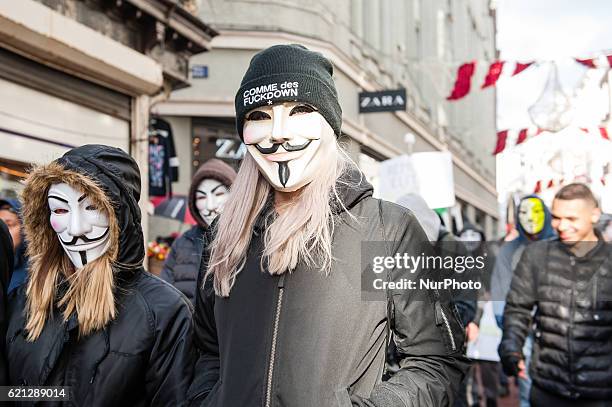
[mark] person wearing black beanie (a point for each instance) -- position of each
(289, 73)
(281, 86)
(280, 315)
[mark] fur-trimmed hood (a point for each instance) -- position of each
(112, 180)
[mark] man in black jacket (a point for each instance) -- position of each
(280, 314)
(569, 283)
(6, 269)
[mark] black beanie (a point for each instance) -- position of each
(289, 73)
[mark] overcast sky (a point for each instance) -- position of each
(545, 30)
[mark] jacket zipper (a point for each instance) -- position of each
(279, 303)
(571, 328)
(447, 325)
(595, 282)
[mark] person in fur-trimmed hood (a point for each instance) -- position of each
(208, 193)
(89, 317)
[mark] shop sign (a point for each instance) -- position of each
(384, 101)
(230, 149)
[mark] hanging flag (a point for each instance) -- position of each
(501, 142)
(495, 70)
(601, 61)
(521, 67)
(589, 63)
(538, 187)
(522, 136)
(464, 81)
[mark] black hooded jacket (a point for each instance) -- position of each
(144, 356)
(305, 339)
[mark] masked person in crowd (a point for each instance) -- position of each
(89, 317)
(533, 224)
(208, 192)
(6, 270)
(10, 213)
(279, 315)
(489, 371)
(445, 244)
(567, 281)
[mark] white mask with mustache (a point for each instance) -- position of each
(210, 197)
(81, 227)
(289, 142)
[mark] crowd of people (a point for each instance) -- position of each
(261, 302)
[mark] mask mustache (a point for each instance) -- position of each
(210, 213)
(288, 147)
(84, 238)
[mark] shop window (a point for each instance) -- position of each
(11, 175)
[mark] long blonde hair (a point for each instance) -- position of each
(89, 292)
(301, 231)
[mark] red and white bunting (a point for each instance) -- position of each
(494, 71)
(551, 183)
(601, 131)
(516, 137)
(497, 70)
(599, 62)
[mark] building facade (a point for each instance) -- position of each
(81, 72)
(374, 45)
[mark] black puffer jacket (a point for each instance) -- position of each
(305, 339)
(182, 265)
(144, 356)
(572, 354)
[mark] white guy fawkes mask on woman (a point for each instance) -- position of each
(210, 197)
(80, 226)
(288, 141)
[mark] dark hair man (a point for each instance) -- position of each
(569, 282)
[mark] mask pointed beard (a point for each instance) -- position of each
(283, 172)
(289, 142)
(83, 255)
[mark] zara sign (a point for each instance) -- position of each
(383, 101)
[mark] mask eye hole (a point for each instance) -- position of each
(91, 208)
(60, 211)
(258, 115)
(302, 109)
